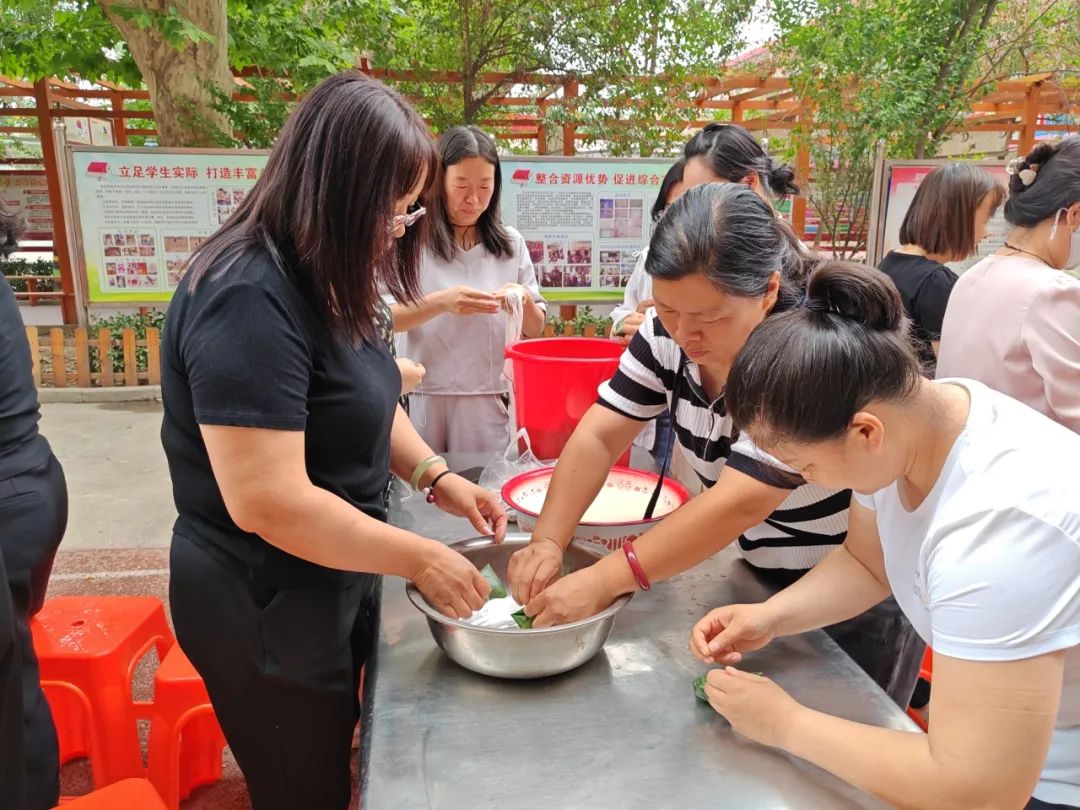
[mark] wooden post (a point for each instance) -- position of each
(59, 363)
(82, 358)
(105, 356)
(568, 312)
(153, 356)
(51, 160)
(131, 368)
(737, 112)
(798, 204)
(1031, 119)
(119, 123)
(541, 127)
(35, 352)
(569, 147)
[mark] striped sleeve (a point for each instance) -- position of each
(751, 460)
(637, 390)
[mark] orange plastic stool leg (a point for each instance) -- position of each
(128, 794)
(93, 644)
(186, 740)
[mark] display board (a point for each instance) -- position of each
(141, 212)
(26, 192)
(583, 219)
(895, 186)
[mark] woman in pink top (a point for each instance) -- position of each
(1013, 321)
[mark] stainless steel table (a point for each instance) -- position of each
(623, 731)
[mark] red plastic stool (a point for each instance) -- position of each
(129, 794)
(185, 739)
(921, 698)
(88, 648)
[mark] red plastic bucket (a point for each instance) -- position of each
(555, 382)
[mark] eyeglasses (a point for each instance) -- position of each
(406, 220)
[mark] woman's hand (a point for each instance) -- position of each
(464, 300)
(503, 294)
(574, 597)
(450, 583)
(728, 632)
(457, 496)
(629, 325)
(534, 568)
(755, 706)
(411, 374)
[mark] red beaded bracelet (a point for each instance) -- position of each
(635, 566)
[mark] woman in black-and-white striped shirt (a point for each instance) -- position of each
(720, 263)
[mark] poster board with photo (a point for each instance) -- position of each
(26, 192)
(141, 212)
(583, 219)
(894, 188)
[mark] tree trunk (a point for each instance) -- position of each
(179, 79)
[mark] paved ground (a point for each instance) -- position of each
(118, 481)
(118, 536)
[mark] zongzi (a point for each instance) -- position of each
(498, 590)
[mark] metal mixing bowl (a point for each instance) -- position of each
(519, 653)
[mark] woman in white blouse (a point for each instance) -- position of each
(475, 278)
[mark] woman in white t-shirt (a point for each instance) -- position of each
(966, 508)
(475, 280)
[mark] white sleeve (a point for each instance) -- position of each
(637, 290)
(866, 501)
(749, 459)
(526, 274)
(1002, 586)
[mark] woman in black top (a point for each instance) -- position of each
(33, 517)
(281, 427)
(946, 222)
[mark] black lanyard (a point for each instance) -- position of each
(676, 387)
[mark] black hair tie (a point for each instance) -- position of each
(815, 305)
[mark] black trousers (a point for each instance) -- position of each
(281, 659)
(33, 517)
(881, 641)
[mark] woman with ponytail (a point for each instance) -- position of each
(965, 508)
(721, 264)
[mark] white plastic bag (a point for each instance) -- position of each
(511, 462)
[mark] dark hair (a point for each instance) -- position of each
(733, 154)
(458, 144)
(941, 218)
(12, 227)
(671, 179)
(803, 375)
(324, 205)
(730, 234)
(1056, 184)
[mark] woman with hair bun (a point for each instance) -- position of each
(965, 508)
(1032, 351)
